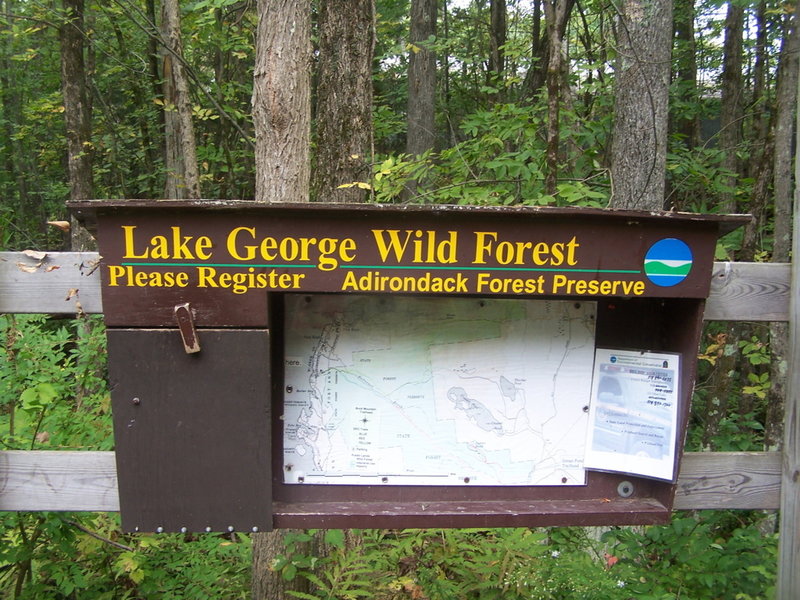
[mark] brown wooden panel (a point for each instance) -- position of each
(223, 259)
(629, 323)
(192, 430)
(487, 513)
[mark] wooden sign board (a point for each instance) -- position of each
(239, 287)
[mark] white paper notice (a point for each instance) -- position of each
(633, 417)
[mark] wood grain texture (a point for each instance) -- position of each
(87, 481)
(729, 480)
(749, 292)
(56, 283)
(58, 481)
(789, 544)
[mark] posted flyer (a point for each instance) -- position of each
(633, 415)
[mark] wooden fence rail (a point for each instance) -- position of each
(68, 283)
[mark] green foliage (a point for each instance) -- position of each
(701, 556)
(186, 567)
(64, 556)
(741, 426)
(53, 395)
(697, 178)
(490, 150)
(464, 563)
(500, 162)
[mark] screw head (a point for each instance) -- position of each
(625, 489)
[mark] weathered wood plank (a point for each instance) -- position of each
(739, 291)
(749, 292)
(59, 481)
(57, 283)
(87, 481)
(728, 480)
(789, 544)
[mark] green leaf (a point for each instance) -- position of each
(335, 538)
(38, 397)
(289, 572)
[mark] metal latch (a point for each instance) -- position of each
(185, 319)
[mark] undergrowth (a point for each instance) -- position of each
(54, 395)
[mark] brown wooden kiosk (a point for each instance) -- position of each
(201, 302)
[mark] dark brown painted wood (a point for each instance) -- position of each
(223, 257)
(191, 430)
(226, 260)
(658, 325)
(520, 513)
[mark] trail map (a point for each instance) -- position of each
(392, 390)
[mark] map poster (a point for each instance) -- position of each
(398, 390)
(633, 418)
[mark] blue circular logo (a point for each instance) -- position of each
(668, 262)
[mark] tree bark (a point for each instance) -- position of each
(421, 134)
(757, 106)
(786, 101)
(639, 144)
(282, 101)
(686, 125)
(77, 114)
(344, 101)
(282, 117)
(183, 178)
(14, 159)
(556, 14)
(497, 41)
(421, 113)
(731, 101)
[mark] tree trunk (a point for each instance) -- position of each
(762, 172)
(282, 101)
(786, 101)
(639, 144)
(731, 101)
(183, 178)
(686, 125)
(14, 159)
(77, 114)
(421, 135)
(757, 105)
(536, 77)
(281, 116)
(684, 121)
(556, 14)
(344, 101)
(497, 41)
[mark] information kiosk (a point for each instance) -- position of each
(329, 366)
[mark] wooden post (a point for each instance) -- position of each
(789, 547)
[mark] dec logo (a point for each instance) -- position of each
(668, 262)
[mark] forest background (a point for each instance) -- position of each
(481, 102)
